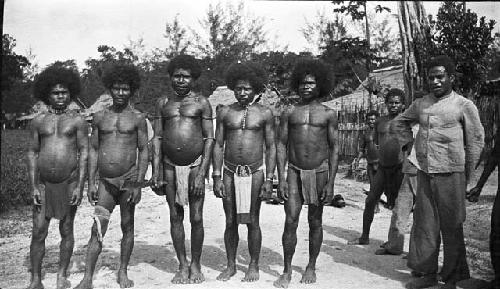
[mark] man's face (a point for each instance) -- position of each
(121, 93)
(59, 96)
(182, 81)
(307, 88)
(394, 105)
(244, 92)
(440, 81)
(371, 120)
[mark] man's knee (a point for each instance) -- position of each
(39, 234)
(315, 223)
(291, 222)
(101, 220)
(196, 219)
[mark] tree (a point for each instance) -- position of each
(12, 63)
(177, 38)
(322, 30)
(461, 35)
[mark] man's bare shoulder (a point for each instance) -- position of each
(221, 110)
(37, 120)
(202, 99)
(265, 110)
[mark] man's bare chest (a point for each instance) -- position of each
(58, 126)
(117, 124)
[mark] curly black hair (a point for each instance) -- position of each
(53, 75)
(251, 71)
(315, 67)
(395, 92)
(442, 60)
(187, 62)
(121, 73)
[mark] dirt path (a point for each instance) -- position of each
(153, 262)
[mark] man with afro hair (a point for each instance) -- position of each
(243, 129)
(57, 162)
(183, 145)
(119, 156)
(447, 146)
(308, 140)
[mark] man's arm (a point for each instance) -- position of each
(218, 153)
(400, 126)
(281, 149)
(207, 128)
(92, 159)
(32, 155)
(82, 138)
(142, 147)
(362, 146)
(333, 150)
(158, 131)
(473, 137)
(270, 143)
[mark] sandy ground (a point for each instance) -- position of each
(153, 261)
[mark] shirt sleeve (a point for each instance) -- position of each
(473, 137)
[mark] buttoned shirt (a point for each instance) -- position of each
(450, 136)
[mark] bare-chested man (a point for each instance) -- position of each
(243, 128)
(183, 144)
(57, 161)
(389, 175)
(310, 132)
(119, 154)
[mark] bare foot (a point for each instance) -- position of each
(309, 276)
(85, 284)
(252, 273)
(283, 281)
(181, 276)
(123, 279)
(195, 275)
(36, 284)
(359, 241)
(227, 273)
(63, 282)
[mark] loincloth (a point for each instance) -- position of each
(242, 175)
(124, 182)
(58, 197)
(182, 179)
(308, 179)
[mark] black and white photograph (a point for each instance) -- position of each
(355, 142)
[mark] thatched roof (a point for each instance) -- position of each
(225, 96)
(388, 77)
(40, 107)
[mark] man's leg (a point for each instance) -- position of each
(450, 194)
(315, 219)
(495, 240)
(399, 219)
(293, 206)
(394, 180)
(176, 226)
(425, 236)
(127, 211)
(197, 231)
(231, 237)
(254, 232)
(103, 210)
(371, 201)
(37, 247)
(66, 248)
(372, 171)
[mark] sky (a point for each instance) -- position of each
(73, 29)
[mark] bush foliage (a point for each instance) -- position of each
(14, 182)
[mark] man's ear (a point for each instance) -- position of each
(452, 78)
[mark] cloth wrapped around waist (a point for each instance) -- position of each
(243, 188)
(126, 181)
(58, 197)
(308, 180)
(182, 179)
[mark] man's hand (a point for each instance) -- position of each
(135, 196)
(76, 197)
(92, 195)
(219, 189)
(37, 196)
(283, 190)
(473, 194)
(155, 181)
(198, 185)
(266, 190)
(356, 162)
(327, 194)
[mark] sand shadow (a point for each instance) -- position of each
(214, 257)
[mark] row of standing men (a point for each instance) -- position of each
(305, 150)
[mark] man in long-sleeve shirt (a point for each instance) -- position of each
(448, 144)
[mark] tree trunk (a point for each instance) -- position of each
(414, 29)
